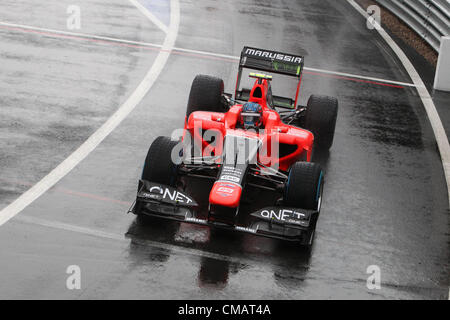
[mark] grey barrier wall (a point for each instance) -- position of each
(429, 18)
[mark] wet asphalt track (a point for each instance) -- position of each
(385, 200)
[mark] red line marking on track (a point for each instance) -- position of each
(353, 79)
(92, 196)
(64, 36)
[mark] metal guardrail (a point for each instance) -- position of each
(429, 18)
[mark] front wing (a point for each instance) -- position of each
(277, 222)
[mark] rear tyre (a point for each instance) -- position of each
(206, 95)
(158, 166)
(320, 119)
(303, 187)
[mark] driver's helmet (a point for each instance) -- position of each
(251, 115)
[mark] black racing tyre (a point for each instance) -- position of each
(206, 95)
(158, 166)
(304, 185)
(320, 119)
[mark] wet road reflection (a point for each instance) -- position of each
(220, 251)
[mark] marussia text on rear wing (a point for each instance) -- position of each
(271, 61)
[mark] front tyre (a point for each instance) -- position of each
(303, 190)
(159, 166)
(303, 187)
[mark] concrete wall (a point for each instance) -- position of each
(442, 78)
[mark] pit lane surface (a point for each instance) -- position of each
(385, 200)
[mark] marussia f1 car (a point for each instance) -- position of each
(254, 141)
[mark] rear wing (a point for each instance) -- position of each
(273, 62)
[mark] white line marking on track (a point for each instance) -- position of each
(150, 16)
(98, 136)
(430, 108)
(198, 52)
(351, 75)
(70, 227)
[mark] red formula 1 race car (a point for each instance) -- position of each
(253, 150)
